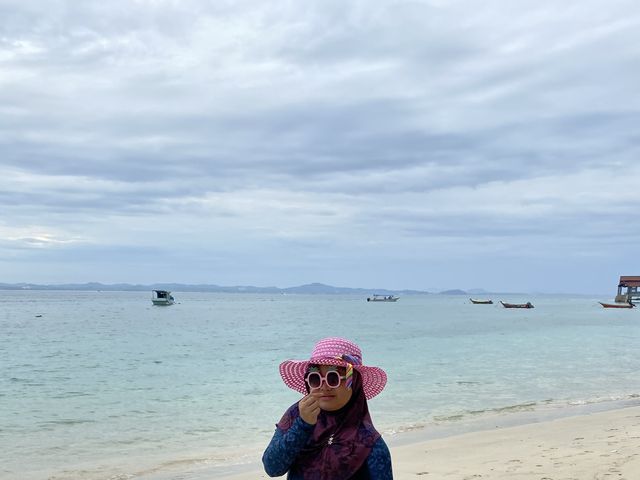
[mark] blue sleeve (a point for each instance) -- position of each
(379, 462)
(285, 446)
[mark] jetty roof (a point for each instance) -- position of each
(627, 281)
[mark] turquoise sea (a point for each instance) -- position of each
(104, 386)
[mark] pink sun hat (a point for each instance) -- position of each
(339, 352)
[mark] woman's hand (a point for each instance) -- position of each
(309, 408)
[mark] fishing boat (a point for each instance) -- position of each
(516, 305)
(617, 305)
(481, 302)
(162, 298)
(382, 298)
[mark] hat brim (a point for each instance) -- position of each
(292, 372)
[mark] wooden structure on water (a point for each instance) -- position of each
(632, 284)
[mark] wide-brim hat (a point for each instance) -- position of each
(341, 353)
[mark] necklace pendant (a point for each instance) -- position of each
(330, 441)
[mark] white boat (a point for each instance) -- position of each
(382, 298)
(162, 297)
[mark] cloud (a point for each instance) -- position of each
(309, 138)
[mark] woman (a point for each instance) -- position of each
(328, 434)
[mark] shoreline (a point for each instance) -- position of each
(536, 412)
(582, 441)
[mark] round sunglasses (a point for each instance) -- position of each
(331, 378)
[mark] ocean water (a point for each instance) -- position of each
(104, 386)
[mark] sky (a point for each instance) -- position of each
(379, 144)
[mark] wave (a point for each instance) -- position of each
(514, 413)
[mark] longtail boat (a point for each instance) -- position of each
(516, 305)
(617, 305)
(481, 302)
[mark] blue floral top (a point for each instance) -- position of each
(285, 446)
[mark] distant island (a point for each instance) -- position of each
(311, 288)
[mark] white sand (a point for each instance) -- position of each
(597, 446)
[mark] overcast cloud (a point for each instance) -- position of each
(423, 144)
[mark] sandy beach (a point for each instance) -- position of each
(596, 446)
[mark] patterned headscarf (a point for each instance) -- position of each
(341, 440)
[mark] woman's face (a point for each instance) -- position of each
(331, 399)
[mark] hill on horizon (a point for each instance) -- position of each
(311, 288)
